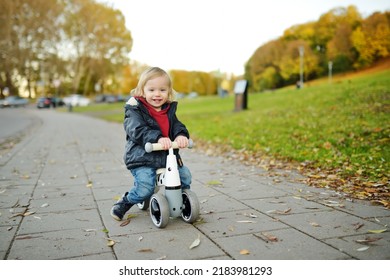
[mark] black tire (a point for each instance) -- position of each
(159, 210)
(191, 207)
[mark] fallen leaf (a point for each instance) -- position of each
(246, 221)
(377, 230)
(244, 252)
(130, 216)
(27, 213)
(125, 222)
(199, 221)
(368, 240)
(214, 183)
(358, 225)
(146, 250)
(270, 237)
(195, 243)
(110, 243)
(362, 249)
(231, 228)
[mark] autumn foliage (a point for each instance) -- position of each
(340, 36)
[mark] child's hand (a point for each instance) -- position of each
(165, 142)
(181, 141)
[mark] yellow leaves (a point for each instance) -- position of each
(376, 231)
(214, 183)
(110, 243)
(327, 145)
(244, 252)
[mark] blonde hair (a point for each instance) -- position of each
(149, 74)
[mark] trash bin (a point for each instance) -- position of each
(241, 95)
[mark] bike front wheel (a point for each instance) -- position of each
(159, 210)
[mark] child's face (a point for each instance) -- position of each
(156, 92)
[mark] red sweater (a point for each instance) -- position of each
(160, 116)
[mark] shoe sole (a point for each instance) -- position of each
(115, 217)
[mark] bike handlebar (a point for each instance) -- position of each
(151, 147)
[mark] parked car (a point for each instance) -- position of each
(76, 100)
(13, 101)
(49, 102)
(109, 98)
(44, 102)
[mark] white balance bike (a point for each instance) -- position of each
(172, 202)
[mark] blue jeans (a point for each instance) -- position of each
(145, 182)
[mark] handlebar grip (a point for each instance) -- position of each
(151, 147)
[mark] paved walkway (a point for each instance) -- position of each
(58, 184)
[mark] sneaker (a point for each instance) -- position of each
(120, 208)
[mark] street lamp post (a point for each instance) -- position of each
(330, 65)
(301, 53)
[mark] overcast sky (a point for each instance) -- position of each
(208, 35)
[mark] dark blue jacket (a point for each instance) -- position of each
(142, 128)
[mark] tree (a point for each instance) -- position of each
(340, 36)
(100, 41)
(372, 39)
(28, 34)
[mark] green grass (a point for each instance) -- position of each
(342, 126)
